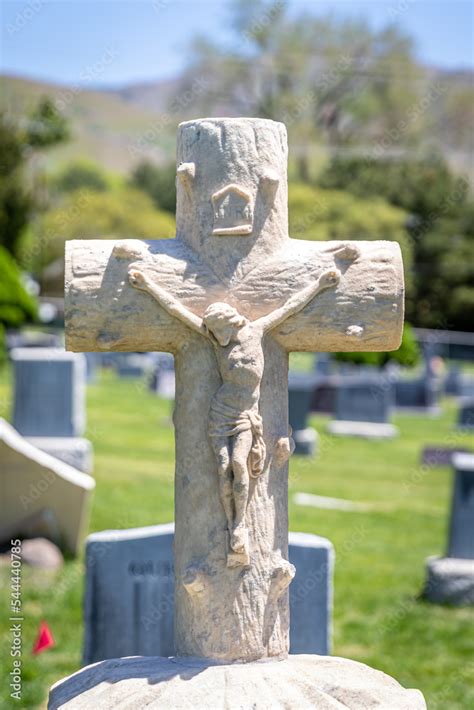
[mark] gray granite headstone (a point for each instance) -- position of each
(323, 364)
(466, 414)
(461, 531)
(361, 399)
(49, 397)
(129, 607)
(450, 579)
(129, 596)
(162, 380)
(311, 593)
(417, 394)
(132, 364)
(452, 381)
(363, 406)
(440, 455)
(300, 395)
(49, 407)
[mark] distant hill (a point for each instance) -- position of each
(114, 128)
(119, 126)
(152, 95)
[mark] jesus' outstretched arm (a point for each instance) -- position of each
(299, 300)
(171, 304)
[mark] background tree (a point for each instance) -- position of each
(441, 227)
(16, 305)
(88, 214)
(81, 174)
(44, 127)
(16, 200)
(159, 182)
(328, 79)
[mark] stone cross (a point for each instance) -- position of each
(230, 297)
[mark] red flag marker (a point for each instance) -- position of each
(44, 640)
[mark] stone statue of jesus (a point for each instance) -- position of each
(235, 424)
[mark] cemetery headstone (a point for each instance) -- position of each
(49, 403)
(452, 381)
(40, 494)
(230, 297)
(467, 386)
(461, 531)
(300, 395)
(129, 593)
(162, 380)
(323, 364)
(93, 364)
(417, 395)
(324, 394)
(450, 579)
(132, 365)
(440, 455)
(363, 407)
(466, 414)
(32, 339)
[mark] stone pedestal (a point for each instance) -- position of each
(299, 682)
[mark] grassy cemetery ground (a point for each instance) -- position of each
(380, 553)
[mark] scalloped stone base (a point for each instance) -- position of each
(300, 682)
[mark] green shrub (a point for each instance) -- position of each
(420, 186)
(441, 228)
(16, 305)
(86, 214)
(158, 182)
(81, 174)
(320, 215)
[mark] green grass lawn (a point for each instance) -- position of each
(380, 554)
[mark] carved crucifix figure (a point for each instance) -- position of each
(232, 296)
(235, 424)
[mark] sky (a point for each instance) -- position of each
(116, 42)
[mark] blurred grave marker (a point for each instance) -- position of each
(129, 593)
(450, 579)
(363, 407)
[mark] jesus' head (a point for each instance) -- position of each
(223, 321)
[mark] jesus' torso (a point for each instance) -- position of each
(241, 365)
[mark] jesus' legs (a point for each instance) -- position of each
(224, 470)
(240, 453)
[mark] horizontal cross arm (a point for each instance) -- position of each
(362, 312)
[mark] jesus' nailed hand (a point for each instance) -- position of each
(235, 424)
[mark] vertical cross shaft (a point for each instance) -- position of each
(229, 613)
